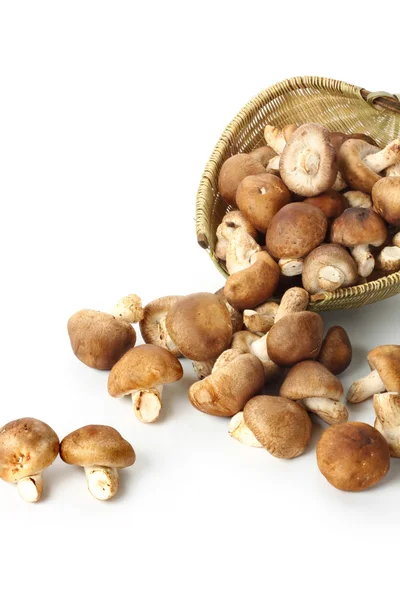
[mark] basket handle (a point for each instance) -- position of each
(388, 101)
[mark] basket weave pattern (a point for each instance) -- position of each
(337, 105)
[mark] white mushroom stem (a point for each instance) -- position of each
(259, 349)
(273, 165)
(385, 158)
(387, 410)
(147, 403)
(364, 259)
(239, 430)
(330, 278)
(393, 170)
(357, 199)
(275, 138)
(330, 411)
(164, 335)
(102, 482)
(340, 184)
(389, 259)
(291, 266)
(365, 388)
(203, 369)
(31, 488)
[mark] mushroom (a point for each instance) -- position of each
(232, 172)
(386, 199)
(225, 358)
(260, 197)
(329, 268)
(141, 373)
(294, 300)
(353, 456)
(253, 286)
(336, 351)
(235, 315)
(101, 451)
(357, 229)
(27, 447)
(230, 223)
(129, 308)
(153, 325)
(263, 154)
(331, 203)
(384, 362)
(294, 231)
(389, 259)
(294, 338)
(387, 410)
(280, 425)
(204, 369)
(277, 138)
(357, 199)
(239, 431)
(308, 162)
(245, 341)
(261, 319)
(99, 339)
(226, 390)
(320, 392)
(241, 248)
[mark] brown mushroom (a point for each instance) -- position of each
(336, 350)
(230, 223)
(233, 171)
(235, 315)
(294, 338)
(261, 319)
(153, 325)
(328, 268)
(386, 199)
(384, 362)
(246, 341)
(263, 154)
(260, 197)
(331, 203)
(353, 456)
(253, 286)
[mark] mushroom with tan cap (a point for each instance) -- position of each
(384, 362)
(260, 197)
(317, 389)
(387, 410)
(101, 451)
(153, 325)
(226, 390)
(261, 319)
(336, 350)
(233, 171)
(230, 223)
(386, 199)
(308, 163)
(332, 204)
(328, 268)
(129, 308)
(141, 373)
(263, 154)
(357, 199)
(294, 338)
(353, 456)
(246, 341)
(98, 339)
(294, 231)
(357, 229)
(241, 247)
(27, 447)
(281, 426)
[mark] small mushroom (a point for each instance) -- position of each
(245, 341)
(357, 199)
(203, 368)
(98, 339)
(141, 373)
(233, 171)
(27, 447)
(241, 247)
(253, 286)
(357, 229)
(353, 456)
(320, 392)
(230, 223)
(329, 268)
(386, 199)
(260, 197)
(387, 410)
(294, 231)
(263, 154)
(280, 425)
(308, 162)
(261, 319)
(101, 451)
(226, 391)
(384, 362)
(332, 204)
(336, 350)
(129, 308)
(294, 338)
(153, 325)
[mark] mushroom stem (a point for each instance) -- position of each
(387, 410)
(102, 481)
(340, 184)
(357, 199)
(294, 300)
(365, 388)
(259, 348)
(31, 488)
(385, 158)
(309, 161)
(203, 369)
(239, 430)
(258, 322)
(330, 411)
(364, 259)
(330, 278)
(147, 403)
(389, 259)
(273, 165)
(275, 138)
(291, 266)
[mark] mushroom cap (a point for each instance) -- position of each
(353, 456)
(336, 351)
(263, 154)
(226, 391)
(236, 316)
(260, 197)
(386, 199)
(279, 424)
(331, 203)
(328, 255)
(294, 338)
(308, 163)
(295, 230)
(151, 324)
(358, 226)
(255, 284)
(142, 368)
(386, 360)
(27, 447)
(242, 340)
(99, 339)
(97, 445)
(233, 171)
(352, 167)
(310, 379)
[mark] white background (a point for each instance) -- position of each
(108, 113)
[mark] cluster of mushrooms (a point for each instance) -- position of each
(243, 344)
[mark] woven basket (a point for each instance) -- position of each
(337, 105)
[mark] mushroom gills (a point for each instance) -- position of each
(365, 388)
(102, 482)
(147, 403)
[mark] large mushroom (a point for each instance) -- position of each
(384, 362)
(260, 197)
(294, 338)
(233, 171)
(254, 285)
(328, 268)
